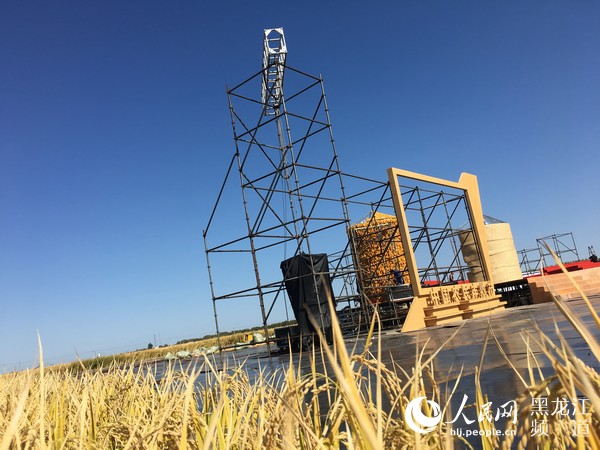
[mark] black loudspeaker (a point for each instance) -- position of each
(308, 285)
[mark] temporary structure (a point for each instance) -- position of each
(377, 250)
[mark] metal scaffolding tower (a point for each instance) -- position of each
(534, 259)
(562, 244)
(530, 260)
(292, 189)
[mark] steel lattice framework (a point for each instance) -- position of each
(292, 187)
(532, 260)
(440, 216)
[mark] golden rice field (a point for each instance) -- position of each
(339, 407)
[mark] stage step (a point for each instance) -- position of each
(561, 286)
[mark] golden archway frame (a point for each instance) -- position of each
(437, 305)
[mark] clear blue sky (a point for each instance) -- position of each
(115, 135)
